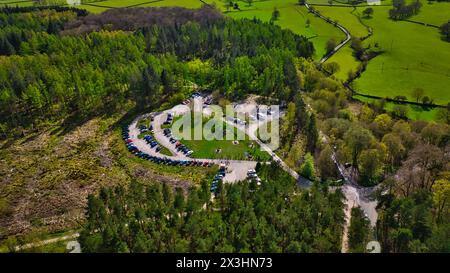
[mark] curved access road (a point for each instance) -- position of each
(237, 169)
(343, 29)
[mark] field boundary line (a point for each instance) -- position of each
(433, 105)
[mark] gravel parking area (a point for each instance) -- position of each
(236, 169)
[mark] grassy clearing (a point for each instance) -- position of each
(209, 147)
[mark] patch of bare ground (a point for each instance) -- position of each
(45, 179)
(355, 108)
(149, 175)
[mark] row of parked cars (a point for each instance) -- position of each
(161, 160)
(178, 145)
(126, 137)
(153, 144)
(217, 178)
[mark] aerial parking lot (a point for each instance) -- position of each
(150, 137)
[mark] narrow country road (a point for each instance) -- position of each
(343, 29)
(355, 195)
(251, 132)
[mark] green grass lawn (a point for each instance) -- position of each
(192, 4)
(436, 13)
(415, 57)
(347, 62)
(346, 17)
(208, 147)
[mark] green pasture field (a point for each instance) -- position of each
(347, 17)
(436, 13)
(191, 4)
(16, 3)
(97, 7)
(414, 57)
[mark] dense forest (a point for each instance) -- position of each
(64, 66)
(273, 217)
(50, 76)
(408, 162)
